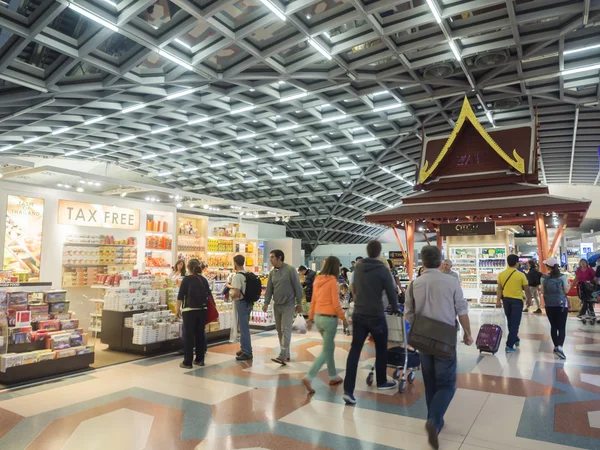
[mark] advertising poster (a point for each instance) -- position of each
(23, 240)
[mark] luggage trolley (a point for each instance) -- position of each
(405, 361)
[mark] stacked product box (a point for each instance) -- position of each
(158, 326)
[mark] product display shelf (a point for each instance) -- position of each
(32, 284)
(474, 262)
(47, 369)
(88, 244)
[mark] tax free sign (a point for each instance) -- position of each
(100, 216)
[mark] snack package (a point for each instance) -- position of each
(17, 298)
(60, 342)
(48, 356)
(10, 360)
(23, 318)
(69, 324)
(29, 358)
(65, 353)
(49, 325)
(55, 296)
(75, 340)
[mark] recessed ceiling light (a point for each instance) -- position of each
(79, 189)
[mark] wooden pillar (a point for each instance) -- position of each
(542, 240)
(426, 238)
(559, 234)
(410, 247)
(399, 240)
(439, 240)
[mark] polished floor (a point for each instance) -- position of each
(528, 400)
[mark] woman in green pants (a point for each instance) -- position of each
(326, 311)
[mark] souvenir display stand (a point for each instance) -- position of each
(472, 182)
(39, 336)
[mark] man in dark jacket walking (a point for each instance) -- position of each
(309, 279)
(371, 278)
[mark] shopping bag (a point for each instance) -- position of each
(212, 315)
(299, 325)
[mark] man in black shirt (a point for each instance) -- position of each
(307, 284)
(534, 278)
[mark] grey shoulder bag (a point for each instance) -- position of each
(431, 336)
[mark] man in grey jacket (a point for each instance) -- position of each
(438, 296)
(371, 278)
(284, 289)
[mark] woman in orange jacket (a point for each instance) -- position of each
(326, 311)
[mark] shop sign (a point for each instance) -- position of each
(100, 216)
(586, 248)
(23, 237)
(468, 229)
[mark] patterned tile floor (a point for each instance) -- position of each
(527, 400)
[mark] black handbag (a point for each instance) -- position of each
(431, 336)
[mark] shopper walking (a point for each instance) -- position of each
(437, 296)
(511, 286)
(307, 284)
(447, 269)
(555, 287)
(243, 305)
(534, 278)
(358, 260)
(192, 302)
(325, 310)
(283, 287)
(371, 278)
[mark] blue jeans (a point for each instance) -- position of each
(439, 376)
(362, 326)
(513, 308)
(244, 309)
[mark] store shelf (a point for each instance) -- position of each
(159, 233)
(158, 249)
(27, 284)
(97, 300)
(157, 267)
(88, 244)
(262, 326)
(95, 329)
(95, 315)
(46, 369)
(71, 266)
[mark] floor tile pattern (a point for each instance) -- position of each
(523, 401)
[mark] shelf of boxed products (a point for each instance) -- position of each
(489, 284)
(261, 320)
(40, 333)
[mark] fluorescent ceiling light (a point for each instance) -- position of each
(385, 108)
(380, 93)
(175, 59)
(332, 118)
(348, 168)
(226, 183)
(133, 108)
(33, 139)
(435, 11)
(322, 147)
(190, 169)
(73, 152)
(94, 120)
(244, 109)
(289, 152)
(454, 49)
(60, 131)
(312, 172)
(178, 150)
(291, 127)
(293, 97)
(360, 141)
(274, 9)
(320, 49)
(94, 147)
(160, 130)
(94, 17)
(149, 156)
(280, 177)
(200, 120)
(209, 144)
(128, 138)
(580, 69)
(164, 174)
(245, 136)
(8, 147)
(252, 180)
(582, 49)
(218, 164)
(180, 42)
(180, 94)
(251, 158)
(490, 118)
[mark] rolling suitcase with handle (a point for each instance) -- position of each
(489, 337)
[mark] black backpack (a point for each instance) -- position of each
(253, 287)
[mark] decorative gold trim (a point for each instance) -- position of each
(466, 112)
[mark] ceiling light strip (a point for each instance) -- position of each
(279, 13)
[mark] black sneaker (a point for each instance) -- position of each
(537, 311)
(239, 353)
(199, 363)
(185, 366)
(244, 357)
(432, 435)
(526, 310)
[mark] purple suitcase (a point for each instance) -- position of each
(489, 338)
